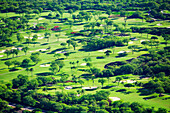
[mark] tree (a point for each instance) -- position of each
(77, 62)
(70, 11)
(166, 37)
(47, 35)
(89, 64)
(31, 70)
(160, 90)
(25, 49)
(35, 37)
(161, 110)
(147, 31)
(107, 52)
(74, 44)
(66, 54)
(57, 55)
(19, 37)
(25, 63)
(118, 79)
(126, 40)
(102, 81)
(145, 43)
(107, 73)
(133, 47)
(28, 100)
(8, 63)
(16, 63)
(109, 12)
(35, 59)
(7, 52)
(69, 42)
(61, 12)
(14, 51)
(56, 35)
(63, 44)
(54, 67)
(33, 84)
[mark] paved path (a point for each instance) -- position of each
(28, 108)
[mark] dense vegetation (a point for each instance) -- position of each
(90, 33)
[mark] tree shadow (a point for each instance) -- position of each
(60, 49)
(86, 75)
(44, 74)
(150, 97)
(5, 59)
(144, 92)
(107, 87)
(121, 90)
(44, 44)
(100, 57)
(76, 87)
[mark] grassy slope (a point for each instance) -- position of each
(6, 76)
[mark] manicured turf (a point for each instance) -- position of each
(6, 76)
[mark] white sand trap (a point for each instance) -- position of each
(121, 51)
(144, 40)
(128, 51)
(27, 37)
(41, 50)
(40, 18)
(1, 55)
(2, 51)
(20, 48)
(158, 24)
(102, 50)
(40, 37)
(14, 48)
(78, 95)
(83, 64)
(68, 87)
(130, 43)
(46, 65)
(114, 98)
(89, 87)
(31, 51)
(130, 81)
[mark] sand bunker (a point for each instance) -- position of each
(2, 51)
(102, 50)
(46, 65)
(27, 37)
(121, 51)
(83, 64)
(89, 87)
(130, 81)
(40, 18)
(68, 87)
(158, 24)
(144, 40)
(61, 52)
(1, 55)
(114, 98)
(40, 37)
(41, 50)
(130, 43)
